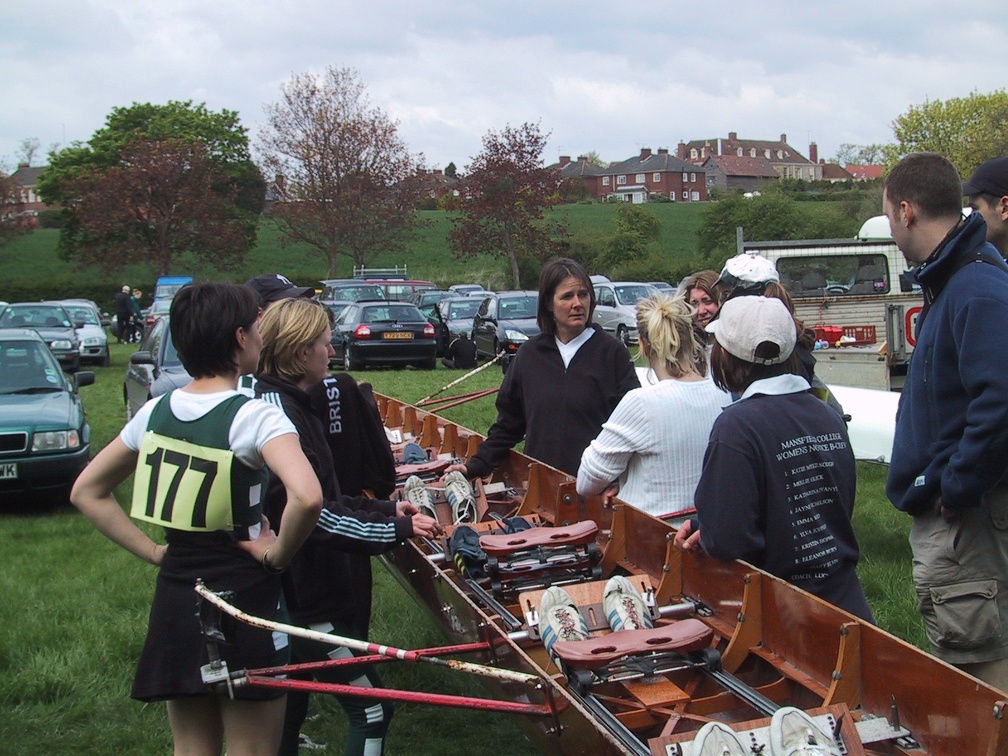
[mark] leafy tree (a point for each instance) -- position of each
(636, 227)
(508, 190)
(347, 183)
(13, 220)
(966, 130)
(595, 159)
(451, 171)
(201, 195)
(772, 216)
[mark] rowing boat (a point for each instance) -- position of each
(731, 643)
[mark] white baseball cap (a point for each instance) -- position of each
(748, 273)
(743, 323)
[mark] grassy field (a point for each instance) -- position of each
(75, 608)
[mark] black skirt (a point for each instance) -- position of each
(175, 648)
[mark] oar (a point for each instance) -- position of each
(362, 646)
(460, 379)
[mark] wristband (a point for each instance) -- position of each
(269, 567)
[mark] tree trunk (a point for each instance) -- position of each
(512, 258)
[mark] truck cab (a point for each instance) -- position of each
(857, 295)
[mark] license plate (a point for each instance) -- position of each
(8, 470)
(397, 335)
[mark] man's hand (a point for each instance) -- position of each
(405, 508)
(940, 510)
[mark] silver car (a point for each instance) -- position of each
(153, 370)
(90, 327)
(616, 307)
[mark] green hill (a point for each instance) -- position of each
(33, 269)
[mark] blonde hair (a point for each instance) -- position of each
(666, 323)
(286, 327)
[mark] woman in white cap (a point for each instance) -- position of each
(779, 477)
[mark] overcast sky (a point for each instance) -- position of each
(608, 77)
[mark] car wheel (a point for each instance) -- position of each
(349, 363)
(106, 360)
(430, 364)
(623, 335)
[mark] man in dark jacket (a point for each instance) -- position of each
(461, 353)
(949, 465)
(987, 190)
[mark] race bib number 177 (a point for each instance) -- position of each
(182, 485)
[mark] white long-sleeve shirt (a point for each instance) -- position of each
(654, 443)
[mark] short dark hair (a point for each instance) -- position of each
(730, 373)
(927, 180)
(203, 320)
(555, 272)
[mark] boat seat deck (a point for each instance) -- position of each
(680, 637)
(578, 534)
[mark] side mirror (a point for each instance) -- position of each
(83, 378)
(141, 358)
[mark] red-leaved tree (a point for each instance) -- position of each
(163, 198)
(507, 190)
(13, 220)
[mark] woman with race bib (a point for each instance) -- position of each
(200, 455)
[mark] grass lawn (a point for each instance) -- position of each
(74, 613)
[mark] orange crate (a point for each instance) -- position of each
(862, 334)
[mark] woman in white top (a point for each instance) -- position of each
(651, 449)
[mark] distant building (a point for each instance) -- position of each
(866, 172)
(834, 172)
(26, 177)
(785, 159)
(641, 178)
(733, 173)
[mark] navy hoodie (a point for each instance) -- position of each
(952, 424)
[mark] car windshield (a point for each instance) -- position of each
(355, 293)
(27, 367)
(515, 308)
(34, 316)
(392, 313)
(83, 315)
(463, 309)
(633, 293)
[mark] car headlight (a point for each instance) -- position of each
(61, 344)
(55, 440)
(515, 336)
(92, 341)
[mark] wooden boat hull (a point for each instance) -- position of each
(786, 645)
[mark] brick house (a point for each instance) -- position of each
(866, 172)
(732, 173)
(833, 172)
(26, 177)
(640, 178)
(785, 159)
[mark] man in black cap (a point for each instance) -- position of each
(273, 287)
(987, 190)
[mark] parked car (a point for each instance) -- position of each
(426, 300)
(90, 326)
(392, 333)
(345, 290)
(664, 287)
(503, 322)
(452, 316)
(52, 323)
(470, 290)
(159, 308)
(153, 370)
(401, 289)
(616, 307)
(44, 436)
(167, 287)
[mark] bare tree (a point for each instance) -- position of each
(507, 192)
(13, 219)
(345, 181)
(27, 151)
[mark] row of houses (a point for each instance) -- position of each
(730, 164)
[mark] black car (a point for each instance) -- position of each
(44, 436)
(391, 333)
(504, 322)
(52, 323)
